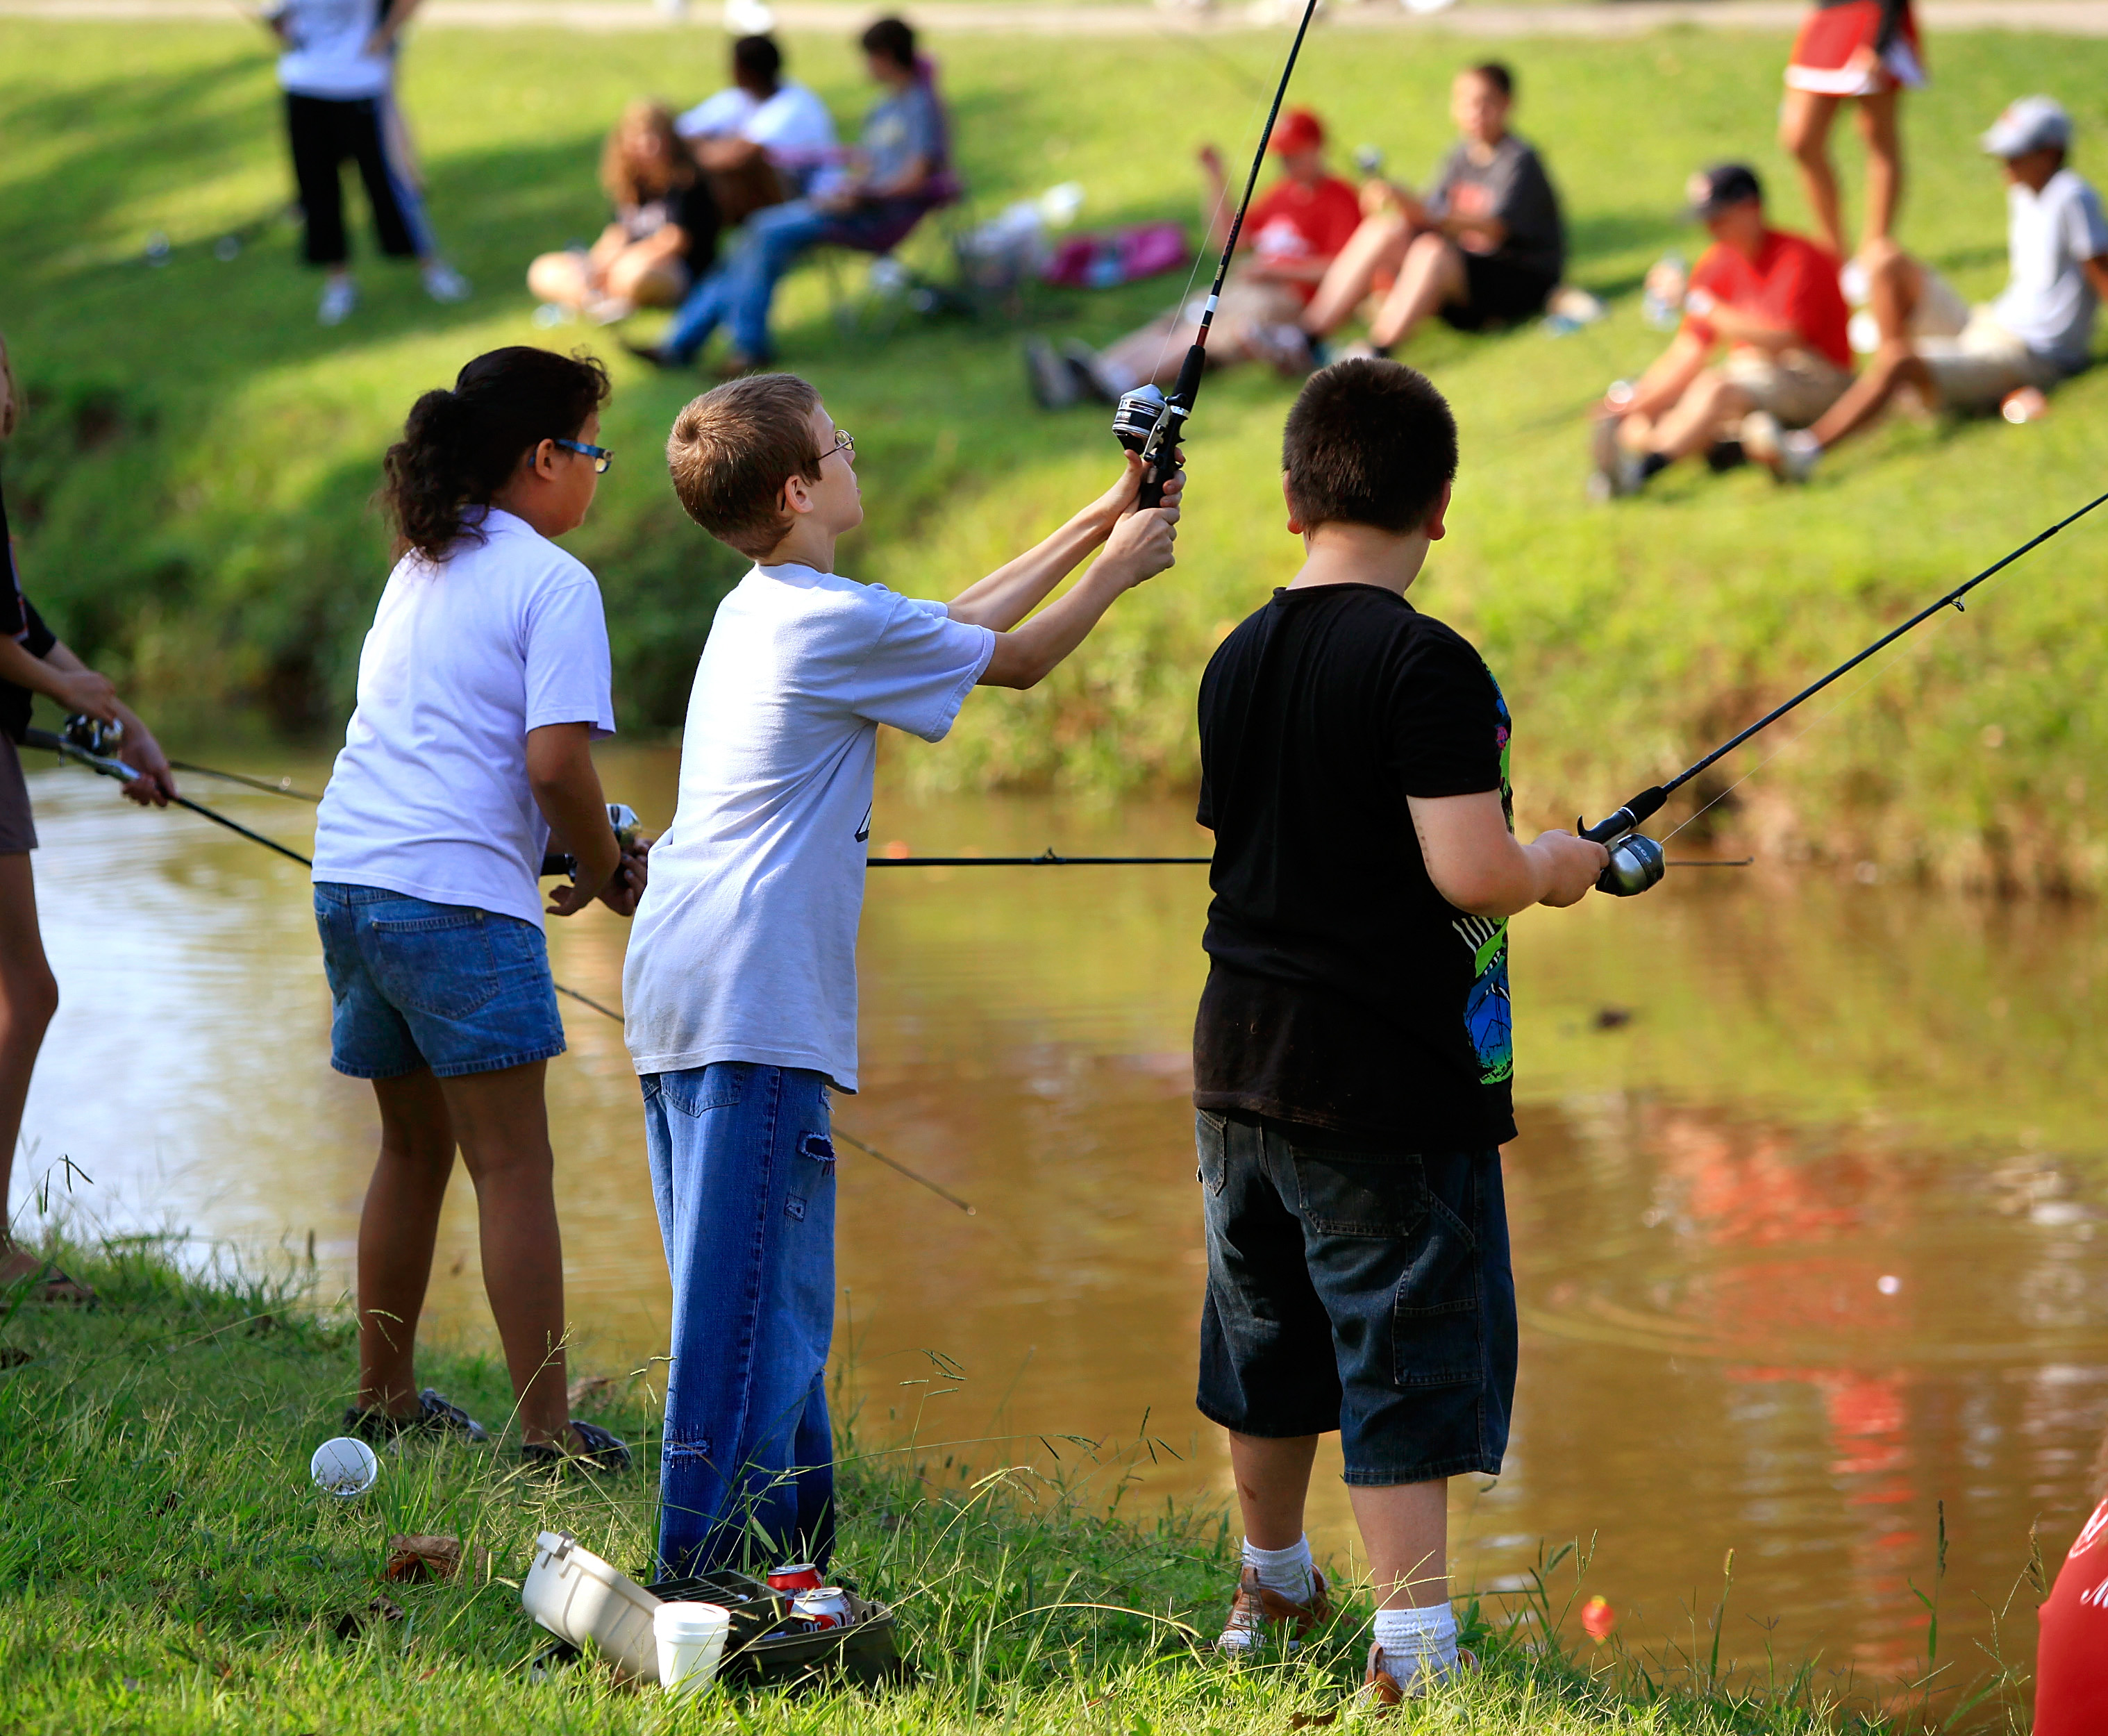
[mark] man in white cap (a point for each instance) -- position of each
(2038, 332)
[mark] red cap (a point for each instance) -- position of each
(1297, 130)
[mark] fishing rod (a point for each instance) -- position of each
(1637, 862)
(110, 767)
(1146, 421)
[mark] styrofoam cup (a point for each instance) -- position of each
(691, 1642)
(345, 1466)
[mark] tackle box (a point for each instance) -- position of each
(863, 1650)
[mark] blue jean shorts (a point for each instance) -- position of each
(1368, 1292)
(419, 984)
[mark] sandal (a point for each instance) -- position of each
(434, 1416)
(52, 1284)
(599, 1451)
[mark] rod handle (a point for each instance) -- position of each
(1634, 815)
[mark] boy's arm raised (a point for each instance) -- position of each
(1018, 587)
(1139, 548)
(1482, 868)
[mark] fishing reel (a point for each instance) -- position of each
(621, 817)
(1636, 863)
(1148, 422)
(91, 735)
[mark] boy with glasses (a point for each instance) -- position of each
(740, 983)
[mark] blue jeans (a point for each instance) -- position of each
(743, 1174)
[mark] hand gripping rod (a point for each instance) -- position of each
(1148, 422)
(1633, 875)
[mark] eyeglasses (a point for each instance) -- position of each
(844, 444)
(601, 456)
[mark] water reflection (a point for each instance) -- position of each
(1806, 1243)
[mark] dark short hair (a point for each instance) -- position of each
(1496, 74)
(759, 57)
(892, 38)
(1368, 443)
(733, 449)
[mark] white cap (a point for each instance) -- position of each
(2030, 125)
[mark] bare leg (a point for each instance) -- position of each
(29, 999)
(503, 1127)
(1895, 284)
(1377, 247)
(1895, 367)
(1885, 161)
(1273, 1481)
(1406, 1530)
(396, 1230)
(1698, 418)
(1153, 353)
(1804, 130)
(660, 284)
(560, 278)
(1431, 278)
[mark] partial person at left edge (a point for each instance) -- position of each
(338, 73)
(34, 660)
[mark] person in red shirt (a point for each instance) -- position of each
(1292, 233)
(1771, 297)
(2071, 1658)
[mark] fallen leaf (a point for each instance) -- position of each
(348, 1625)
(589, 1391)
(1310, 1720)
(414, 1557)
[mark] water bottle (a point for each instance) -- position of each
(1662, 312)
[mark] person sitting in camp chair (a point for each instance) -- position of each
(904, 174)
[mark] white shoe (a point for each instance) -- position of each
(1797, 452)
(340, 297)
(1760, 435)
(443, 283)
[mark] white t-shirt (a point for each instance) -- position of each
(324, 45)
(793, 126)
(744, 948)
(430, 796)
(2049, 303)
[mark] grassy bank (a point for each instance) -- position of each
(191, 486)
(166, 1567)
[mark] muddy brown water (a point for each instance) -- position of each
(1808, 1205)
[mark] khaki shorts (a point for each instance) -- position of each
(18, 832)
(1940, 311)
(1793, 385)
(1246, 312)
(1978, 365)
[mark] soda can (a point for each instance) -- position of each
(827, 1607)
(795, 1575)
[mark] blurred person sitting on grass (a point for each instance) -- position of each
(763, 139)
(33, 660)
(482, 683)
(741, 989)
(2040, 331)
(904, 174)
(2071, 1654)
(1484, 249)
(1294, 232)
(1773, 298)
(338, 73)
(1352, 1051)
(664, 235)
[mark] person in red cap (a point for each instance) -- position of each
(1485, 247)
(1291, 235)
(1867, 51)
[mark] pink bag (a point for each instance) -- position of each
(1118, 256)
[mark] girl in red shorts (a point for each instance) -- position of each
(1863, 49)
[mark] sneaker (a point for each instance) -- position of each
(597, 1451)
(443, 283)
(657, 354)
(1053, 382)
(1760, 435)
(1380, 1689)
(1797, 455)
(1089, 368)
(1254, 1606)
(1724, 455)
(340, 297)
(433, 1415)
(1603, 447)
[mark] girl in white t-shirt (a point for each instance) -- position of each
(481, 685)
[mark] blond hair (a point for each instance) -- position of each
(734, 448)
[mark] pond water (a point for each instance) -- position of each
(1808, 1205)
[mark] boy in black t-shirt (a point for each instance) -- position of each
(1351, 1058)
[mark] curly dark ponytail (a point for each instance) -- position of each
(460, 448)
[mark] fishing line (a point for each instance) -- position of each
(269, 787)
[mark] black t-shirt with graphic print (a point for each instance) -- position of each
(1346, 995)
(19, 621)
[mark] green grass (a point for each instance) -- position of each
(191, 487)
(166, 1566)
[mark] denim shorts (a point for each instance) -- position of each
(1366, 1291)
(419, 984)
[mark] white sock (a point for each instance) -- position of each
(1287, 1572)
(1417, 1642)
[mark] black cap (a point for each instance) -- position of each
(1712, 190)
